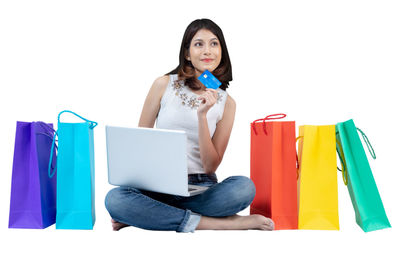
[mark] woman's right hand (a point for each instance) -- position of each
(207, 100)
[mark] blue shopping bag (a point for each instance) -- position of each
(75, 174)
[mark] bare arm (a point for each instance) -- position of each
(152, 103)
(212, 150)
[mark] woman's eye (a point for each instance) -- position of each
(214, 44)
(197, 44)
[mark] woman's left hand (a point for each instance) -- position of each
(207, 100)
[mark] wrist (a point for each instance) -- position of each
(201, 115)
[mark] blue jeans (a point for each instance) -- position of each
(157, 211)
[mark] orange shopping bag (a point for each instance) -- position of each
(273, 170)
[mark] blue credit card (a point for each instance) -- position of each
(209, 80)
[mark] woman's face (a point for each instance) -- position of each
(204, 52)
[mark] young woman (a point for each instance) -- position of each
(179, 101)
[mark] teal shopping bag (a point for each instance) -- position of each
(75, 174)
(357, 174)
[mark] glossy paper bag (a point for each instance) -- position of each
(318, 191)
(75, 168)
(273, 170)
(364, 194)
(33, 194)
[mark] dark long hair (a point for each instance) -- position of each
(185, 69)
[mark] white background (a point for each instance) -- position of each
(321, 62)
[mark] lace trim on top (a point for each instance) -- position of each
(190, 101)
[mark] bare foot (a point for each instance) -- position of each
(117, 225)
(236, 222)
(254, 221)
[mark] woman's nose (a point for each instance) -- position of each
(206, 50)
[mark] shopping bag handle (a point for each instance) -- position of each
(51, 136)
(50, 131)
(369, 146)
(92, 123)
(297, 158)
(269, 117)
(339, 151)
(51, 156)
(49, 172)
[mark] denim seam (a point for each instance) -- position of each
(192, 223)
(140, 194)
(114, 217)
(185, 219)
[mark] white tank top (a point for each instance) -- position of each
(178, 111)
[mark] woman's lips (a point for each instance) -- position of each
(207, 60)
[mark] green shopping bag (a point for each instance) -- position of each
(357, 174)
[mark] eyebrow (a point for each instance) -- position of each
(212, 39)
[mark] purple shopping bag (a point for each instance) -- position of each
(33, 193)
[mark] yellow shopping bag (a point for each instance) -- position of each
(317, 183)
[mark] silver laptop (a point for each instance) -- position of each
(149, 159)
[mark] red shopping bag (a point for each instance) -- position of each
(273, 170)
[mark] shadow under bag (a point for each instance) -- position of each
(357, 174)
